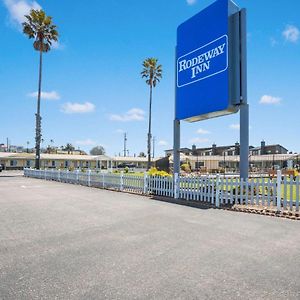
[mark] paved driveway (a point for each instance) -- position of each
(60, 241)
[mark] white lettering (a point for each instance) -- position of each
(182, 65)
(201, 63)
(200, 68)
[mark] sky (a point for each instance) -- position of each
(93, 91)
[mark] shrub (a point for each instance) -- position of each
(155, 172)
(186, 168)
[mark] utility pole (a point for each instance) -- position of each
(125, 140)
(7, 148)
(153, 146)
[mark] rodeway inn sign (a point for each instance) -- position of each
(211, 73)
(208, 63)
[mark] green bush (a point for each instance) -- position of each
(155, 172)
(186, 168)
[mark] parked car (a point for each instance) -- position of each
(124, 165)
(1, 167)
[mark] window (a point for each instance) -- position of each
(66, 164)
(28, 163)
(199, 164)
(13, 163)
(53, 163)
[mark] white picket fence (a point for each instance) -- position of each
(281, 193)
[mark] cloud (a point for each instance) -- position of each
(120, 131)
(162, 143)
(77, 108)
(57, 45)
(291, 33)
(87, 142)
(198, 140)
(234, 126)
(273, 42)
(191, 2)
(134, 114)
(46, 95)
(19, 8)
(203, 131)
(267, 99)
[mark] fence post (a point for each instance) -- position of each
(278, 190)
(103, 180)
(77, 176)
(121, 181)
(58, 175)
(218, 190)
(145, 183)
(45, 175)
(176, 185)
(89, 177)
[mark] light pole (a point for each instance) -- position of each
(274, 159)
(224, 163)
(125, 140)
(27, 146)
(153, 147)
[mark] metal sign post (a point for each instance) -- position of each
(244, 106)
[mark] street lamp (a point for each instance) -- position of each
(274, 159)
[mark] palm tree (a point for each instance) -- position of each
(51, 148)
(39, 27)
(70, 148)
(153, 73)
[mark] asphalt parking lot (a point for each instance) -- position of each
(61, 241)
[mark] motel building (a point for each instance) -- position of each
(18, 161)
(216, 159)
(212, 159)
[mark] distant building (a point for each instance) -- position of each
(71, 161)
(268, 149)
(231, 150)
(217, 158)
(185, 151)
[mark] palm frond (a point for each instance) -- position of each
(151, 71)
(40, 27)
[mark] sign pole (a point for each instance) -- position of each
(244, 140)
(244, 106)
(176, 148)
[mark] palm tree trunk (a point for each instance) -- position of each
(149, 131)
(38, 118)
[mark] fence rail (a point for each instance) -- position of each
(281, 193)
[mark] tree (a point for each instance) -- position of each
(153, 73)
(69, 147)
(142, 154)
(98, 150)
(39, 27)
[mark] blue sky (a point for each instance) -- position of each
(91, 80)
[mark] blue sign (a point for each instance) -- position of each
(203, 58)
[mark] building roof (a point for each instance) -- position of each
(47, 156)
(133, 159)
(268, 146)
